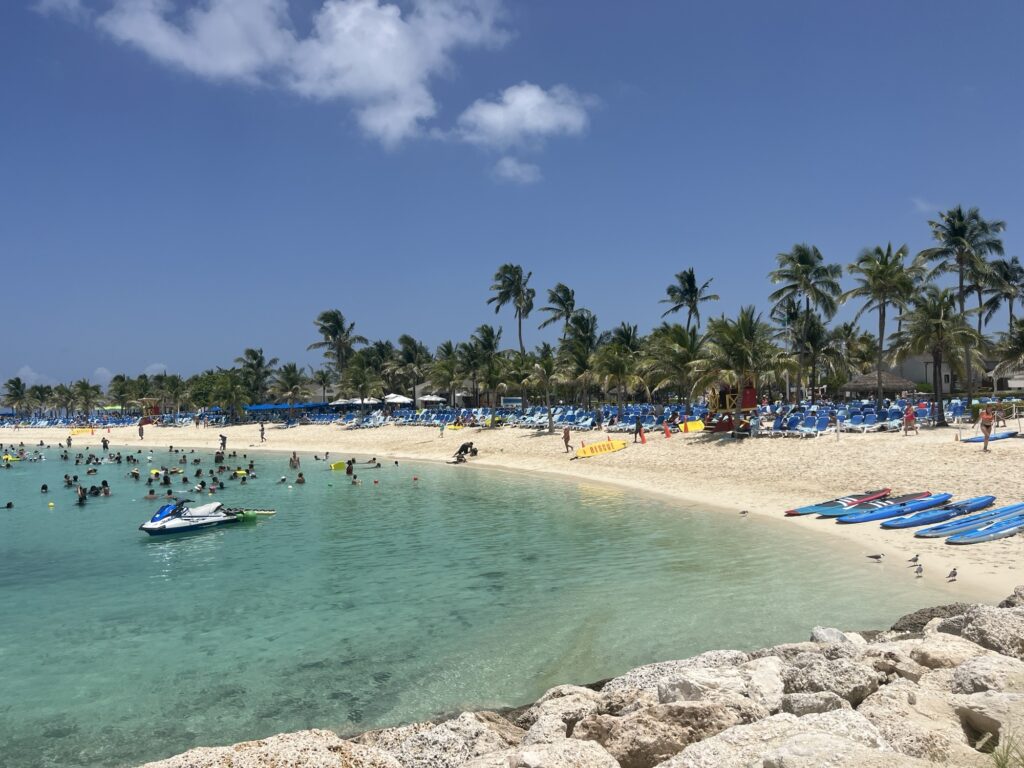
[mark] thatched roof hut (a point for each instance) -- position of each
(868, 382)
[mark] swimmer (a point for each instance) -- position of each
(300, 480)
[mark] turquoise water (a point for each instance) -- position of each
(363, 606)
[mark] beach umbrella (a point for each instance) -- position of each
(395, 398)
(341, 401)
(432, 399)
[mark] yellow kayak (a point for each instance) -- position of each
(691, 426)
(597, 449)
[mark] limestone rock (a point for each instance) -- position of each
(743, 746)
(556, 717)
(650, 675)
(1000, 629)
(915, 622)
(529, 717)
(303, 749)
(812, 673)
(760, 680)
(828, 635)
(992, 712)
(787, 651)
(938, 650)
(448, 744)
(623, 702)
(801, 704)
(1016, 600)
(650, 736)
(567, 753)
(991, 672)
(921, 722)
(821, 750)
(894, 659)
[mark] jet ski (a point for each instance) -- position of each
(179, 517)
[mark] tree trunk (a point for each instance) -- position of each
(940, 415)
(1010, 302)
(881, 349)
(522, 349)
(547, 401)
(967, 347)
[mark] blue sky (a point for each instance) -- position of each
(180, 179)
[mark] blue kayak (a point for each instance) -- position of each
(867, 506)
(932, 516)
(911, 506)
(962, 524)
(843, 502)
(996, 436)
(997, 530)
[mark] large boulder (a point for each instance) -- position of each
(622, 702)
(760, 680)
(822, 750)
(828, 635)
(787, 651)
(648, 737)
(917, 721)
(567, 753)
(743, 746)
(992, 672)
(448, 744)
(999, 629)
(939, 650)
(1016, 600)
(916, 621)
(651, 675)
(801, 704)
(999, 714)
(555, 718)
(304, 749)
(529, 717)
(811, 673)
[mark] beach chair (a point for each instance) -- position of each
(776, 428)
(870, 423)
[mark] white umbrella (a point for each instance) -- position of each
(395, 398)
(341, 401)
(432, 399)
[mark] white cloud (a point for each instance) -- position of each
(364, 51)
(102, 376)
(155, 368)
(525, 114)
(30, 376)
(923, 206)
(511, 169)
(69, 9)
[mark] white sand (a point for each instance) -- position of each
(764, 476)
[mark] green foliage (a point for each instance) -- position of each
(1009, 753)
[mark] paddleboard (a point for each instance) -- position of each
(338, 465)
(599, 448)
(691, 426)
(981, 438)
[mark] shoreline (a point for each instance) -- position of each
(695, 472)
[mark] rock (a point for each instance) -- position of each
(760, 680)
(938, 650)
(649, 676)
(448, 744)
(1016, 600)
(764, 681)
(812, 673)
(990, 712)
(991, 672)
(787, 651)
(556, 717)
(828, 635)
(894, 659)
(529, 717)
(304, 749)
(801, 704)
(623, 702)
(567, 753)
(921, 722)
(743, 746)
(915, 622)
(650, 736)
(999, 629)
(821, 750)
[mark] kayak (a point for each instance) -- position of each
(843, 502)
(932, 516)
(997, 436)
(911, 506)
(997, 530)
(867, 506)
(963, 524)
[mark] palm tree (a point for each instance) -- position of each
(883, 280)
(512, 287)
(807, 280)
(933, 326)
(1010, 351)
(671, 349)
(546, 373)
(487, 342)
(1006, 283)
(684, 293)
(63, 398)
(445, 369)
(519, 370)
(174, 391)
(338, 338)
(290, 383)
(626, 335)
(39, 395)
(362, 379)
(16, 395)
(965, 240)
(577, 350)
(229, 392)
(322, 378)
(87, 395)
(257, 372)
(120, 390)
(560, 307)
(617, 365)
(737, 353)
(414, 360)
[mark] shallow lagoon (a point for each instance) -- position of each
(361, 606)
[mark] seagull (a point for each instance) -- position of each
(919, 571)
(952, 575)
(876, 558)
(913, 559)
(744, 512)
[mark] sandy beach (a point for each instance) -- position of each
(763, 476)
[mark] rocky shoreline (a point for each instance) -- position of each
(944, 686)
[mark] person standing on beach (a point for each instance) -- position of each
(637, 426)
(223, 442)
(142, 430)
(565, 438)
(263, 438)
(985, 419)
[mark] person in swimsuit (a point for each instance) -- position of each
(985, 419)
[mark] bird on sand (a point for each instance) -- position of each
(951, 576)
(913, 559)
(919, 571)
(744, 512)
(876, 558)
